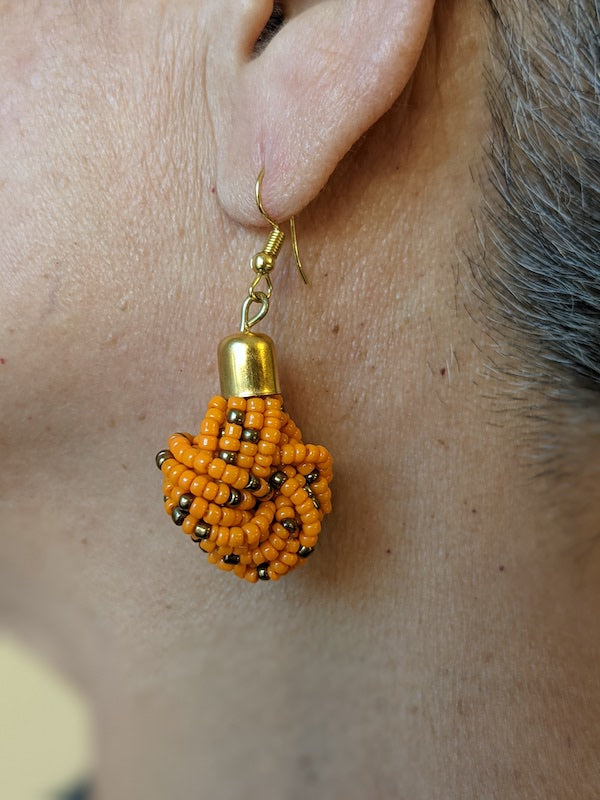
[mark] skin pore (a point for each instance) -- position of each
(443, 641)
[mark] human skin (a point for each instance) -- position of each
(442, 641)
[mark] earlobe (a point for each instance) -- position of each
(327, 76)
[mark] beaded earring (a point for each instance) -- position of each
(246, 488)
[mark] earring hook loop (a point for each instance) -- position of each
(247, 321)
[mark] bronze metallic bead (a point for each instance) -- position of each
(228, 456)
(304, 551)
(290, 525)
(235, 497)
(201, 531)
(266, 495)
(277, 479)
(231, 558)
(250, 435)
(162, 456)
(235, 416)
(178, 515)
(312, 476)
(186, 500)
(316, 503)
(253, 483)
(262, 571)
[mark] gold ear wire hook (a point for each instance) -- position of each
(295, 249)
(275, 240)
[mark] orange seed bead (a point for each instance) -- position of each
(253, 420)
(261, 471)
(238, 403)
(198, 484)
(230, 474)
(217, 468)
(175, 472)
(209, 427)
(202, 462)
(288, 454)
(232, 430)
(222, 494)
(229, 517)
(310, 518)
(241, 481)
(216, 414)
(252, 532)
(248, 449)
(218, 402)
(276, 541)
(212, 515)
(208, 442)
(256, 404)
(300, 452)
(311, 530)
(210, 490)
(273, 401)
(223, 536)
(266, 448)
(186, 478)
(306, 507)
(269, 551)
(236, 537)
(189, 524)
(298, 497)
(270, 435)
(229, 443)
(312, 453)
(198, 507)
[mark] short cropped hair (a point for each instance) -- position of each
(539, 262)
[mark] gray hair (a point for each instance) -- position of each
(539, 267)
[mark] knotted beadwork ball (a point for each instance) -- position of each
(246, 488)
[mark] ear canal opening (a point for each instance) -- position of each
(274, 24)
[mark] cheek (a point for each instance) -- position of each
(72, 247)
(42, 188)
(99, 241)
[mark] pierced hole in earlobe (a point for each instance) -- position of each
(274, 24)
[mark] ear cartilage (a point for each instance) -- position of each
(246, 488)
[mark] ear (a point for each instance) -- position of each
(297, 108)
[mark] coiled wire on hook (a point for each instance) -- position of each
(263, 262)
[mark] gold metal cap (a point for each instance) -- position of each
(248, 366)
